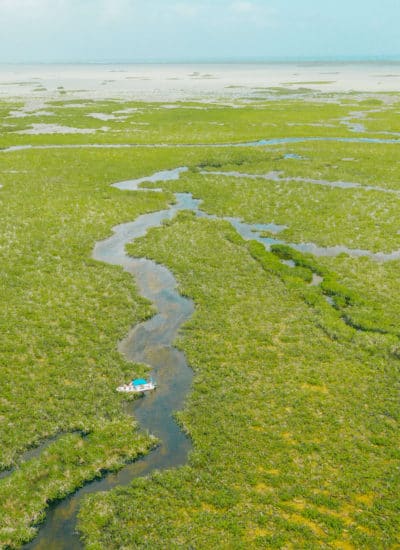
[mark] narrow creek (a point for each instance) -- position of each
(276, 176)
(33, 452)
(257, 143)
(151, 343)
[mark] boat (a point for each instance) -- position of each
(139, 385)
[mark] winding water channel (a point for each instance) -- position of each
(257, 143)
(277, 176)
(151, 343)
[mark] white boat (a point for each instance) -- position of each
(138, 386)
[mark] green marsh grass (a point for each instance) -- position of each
(193, 123)
(354, 217)
(294, 411)
(293, 430)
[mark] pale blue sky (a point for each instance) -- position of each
(168, 30)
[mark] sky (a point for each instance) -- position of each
(197, 30)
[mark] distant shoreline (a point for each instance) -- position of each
(245, 61)
(196, 81)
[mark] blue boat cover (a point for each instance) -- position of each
(139, 382)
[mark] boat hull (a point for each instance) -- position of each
(129, 388)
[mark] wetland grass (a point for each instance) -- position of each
(294, 408)
(284, 417)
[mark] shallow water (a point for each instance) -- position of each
(164, 175)
(151, 343)
(351, 121)
(289, 263)
(293, 156)
(316, 280)
(40, 129)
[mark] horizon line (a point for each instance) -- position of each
(230, 61)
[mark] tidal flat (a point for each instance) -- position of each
(293, 412)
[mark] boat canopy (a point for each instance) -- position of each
(139, 382)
